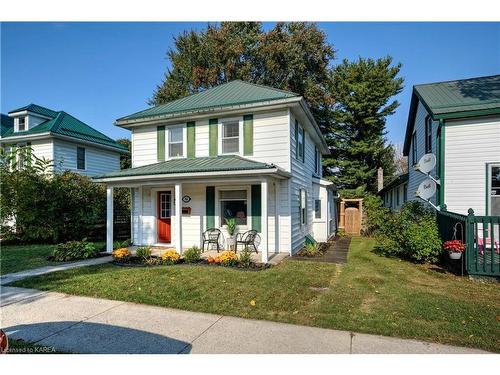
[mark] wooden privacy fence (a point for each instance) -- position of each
(481, 235)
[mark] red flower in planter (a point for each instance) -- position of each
(455, 246)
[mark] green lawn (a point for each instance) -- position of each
(371, 294)
(14, 258)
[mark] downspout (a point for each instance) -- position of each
(441, 162)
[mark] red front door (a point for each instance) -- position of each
(164, 209)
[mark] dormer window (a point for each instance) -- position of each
(21, 124)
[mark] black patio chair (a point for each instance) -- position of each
(211, 236)
(247, 239)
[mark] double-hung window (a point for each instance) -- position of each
(494, 190)
(230, 139)
(428, 135)
(233, 205)
(80, 158)
(317, 161)
(303, 206)
(21, 125)
(176, 142)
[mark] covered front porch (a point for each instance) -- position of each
(174, 210)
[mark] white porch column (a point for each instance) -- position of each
(109, 219)
(276, 216)
(264, 230)
(178, 216)
(139, 221)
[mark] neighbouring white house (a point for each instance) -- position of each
(395, 193)
(459, 122)
(237, 150)
(60, 138)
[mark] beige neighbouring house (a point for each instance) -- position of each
(237, 150)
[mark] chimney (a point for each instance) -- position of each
(380, 179)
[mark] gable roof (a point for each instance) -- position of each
(233, 93)
(471, 97)
(62, 123)
(221, 163)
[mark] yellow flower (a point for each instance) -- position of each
(121, 253)
(170, 256)
(252, 302)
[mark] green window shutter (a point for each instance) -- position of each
(213, 136)
(28, 153)
(296, 139)
(303, 144)
(13, 155)
(210, 206)
(248, 135)
(191, 139)
(256, 208)
(160, 143)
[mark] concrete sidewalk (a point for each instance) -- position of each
(11, 277)
(90, 325)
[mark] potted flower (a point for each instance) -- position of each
(455, 248)
(231, 228)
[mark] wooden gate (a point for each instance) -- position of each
(352, 221)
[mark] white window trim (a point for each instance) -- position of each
(221, 132)
(303, 223)
(26, 123)
(488, 186)
(218, 216)
(184, 141)
(18, 154)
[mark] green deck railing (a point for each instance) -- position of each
(481, 235)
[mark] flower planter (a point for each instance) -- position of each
(230, 243)
(455, 255)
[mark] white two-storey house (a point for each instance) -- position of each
(238, 150)
(58, 137)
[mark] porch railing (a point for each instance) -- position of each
(481, 235)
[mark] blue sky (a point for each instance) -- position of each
(101, 71)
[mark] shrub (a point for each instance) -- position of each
(246, 258)
(192, 255)
(376, 217)
(74, 250)
(311, 250)
(52, 208)
(411, 233)
(227, 258)
(170, 257)
(121, 254)
(143, 252)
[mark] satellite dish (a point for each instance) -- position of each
(426, 163)
(426, 189)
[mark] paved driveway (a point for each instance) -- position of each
(90, 325)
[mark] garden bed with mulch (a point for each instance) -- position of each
(154, 262)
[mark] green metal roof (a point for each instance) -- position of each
(228, 94)
(224, 163)
(35, 108)
(462, 95)
(454, 99)
(6, 123)
(64, 124)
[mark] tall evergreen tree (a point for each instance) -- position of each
(363, 90)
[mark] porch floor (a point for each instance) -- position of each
(273, 258)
